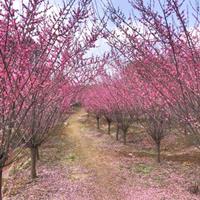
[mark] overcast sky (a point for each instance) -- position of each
(122, 4)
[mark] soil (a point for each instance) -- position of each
(80, 162)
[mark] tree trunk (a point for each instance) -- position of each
(158, 152)
(37, 153)
(1, 183)
(117, 133)
(109, 123)
(98, 122)
(125, 133)
(33, 162)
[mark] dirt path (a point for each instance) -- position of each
(92, 156)
(79, 162)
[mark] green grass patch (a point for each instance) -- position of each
(143, 168)
(71, 157)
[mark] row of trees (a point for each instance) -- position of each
(124, 99)
(155, 75)
(154, 72)
(165, 53)
(43, 62)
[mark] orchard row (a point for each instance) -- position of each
(150, 73)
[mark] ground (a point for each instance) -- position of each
(79, 162)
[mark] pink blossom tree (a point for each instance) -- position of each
(42, 56)
(163, 48)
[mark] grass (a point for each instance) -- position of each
(143, 168)
(71, 157)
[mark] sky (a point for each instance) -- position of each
(122, 4)
(127, 9)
